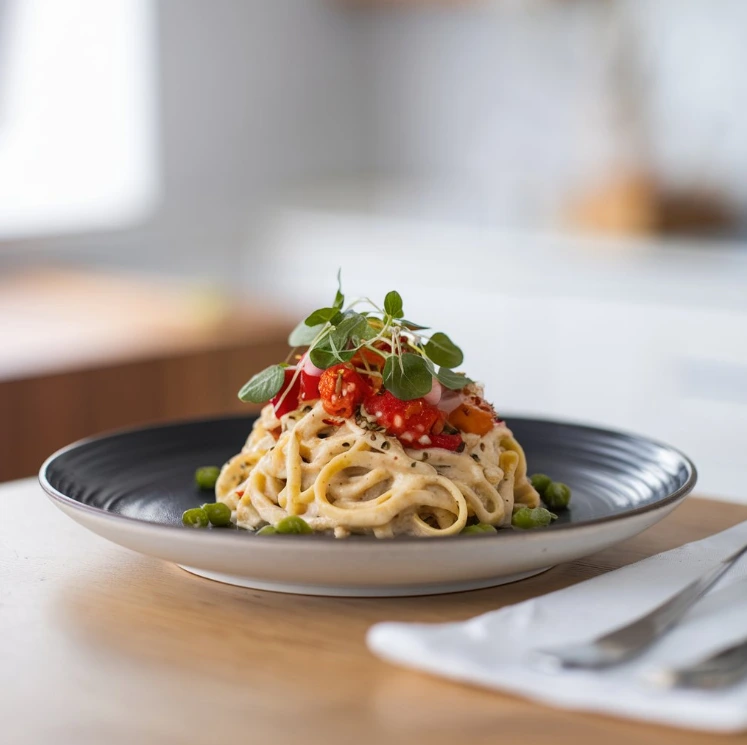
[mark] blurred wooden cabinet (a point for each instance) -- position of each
(133, 352)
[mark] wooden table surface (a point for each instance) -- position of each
(102, 645)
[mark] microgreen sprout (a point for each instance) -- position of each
(410, 356)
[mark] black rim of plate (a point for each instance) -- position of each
(670, 499)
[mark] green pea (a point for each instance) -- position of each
(557, 496)
(218, 513)
(540, 482)
(526, 519)
(206, 477)
(195, 518)
(478, 529)
(292, 524)
(267, 530)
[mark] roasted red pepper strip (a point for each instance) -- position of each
(469, 417)
(309, 386)
(289, 399)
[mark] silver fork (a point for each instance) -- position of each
(632, 639)
(720, 670)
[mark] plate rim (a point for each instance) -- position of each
(361, 541)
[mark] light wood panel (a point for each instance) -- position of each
(99, 644)
(40, 415)
(133, 351)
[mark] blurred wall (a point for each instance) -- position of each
(256, 95)
(502, 110)
(486, 112)
(252, 95)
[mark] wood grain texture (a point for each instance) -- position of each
(99, 644)
(87, 353)
(41, 415)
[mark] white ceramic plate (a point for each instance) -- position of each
(132, 487)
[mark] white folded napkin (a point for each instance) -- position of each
(493, 650)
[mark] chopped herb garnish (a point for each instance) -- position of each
(407, 376)
(378, 337)
(451, 380)
(393, 304)
(323, 315)
(264, 385)
(441, 350)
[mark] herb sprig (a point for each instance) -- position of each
(410, 358)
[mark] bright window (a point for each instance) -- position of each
(77, 115)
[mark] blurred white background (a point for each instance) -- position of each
(559, 184)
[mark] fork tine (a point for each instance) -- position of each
(720, 670)
(634, 638)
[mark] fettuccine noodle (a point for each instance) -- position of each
(346, 477)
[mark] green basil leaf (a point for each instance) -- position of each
(339, 297)
(352, 328)
(334, 347)
(324, 315)
(330, 344)
(451, 380)
(443, 351)
(393, 304)
(324, 356)
(264, 385)
(407, 376)
(303, 335)
(364, 333)
(412, 325)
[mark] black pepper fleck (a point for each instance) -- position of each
(475, 458)
(346, 444)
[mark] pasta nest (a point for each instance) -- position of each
(351, 478)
